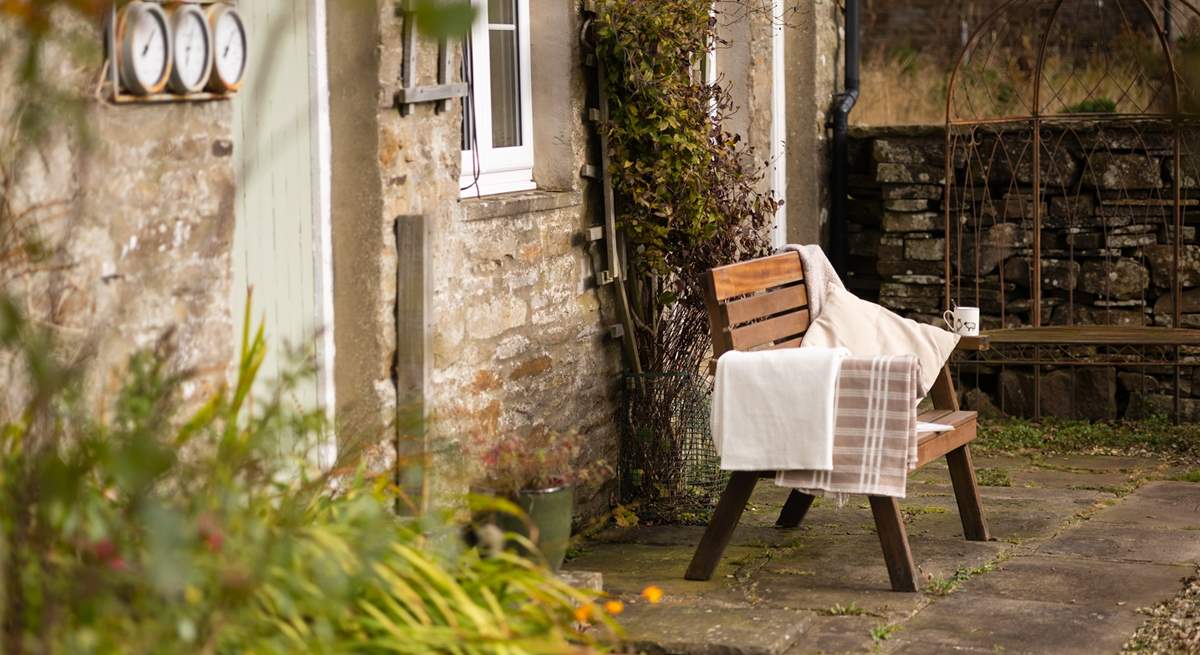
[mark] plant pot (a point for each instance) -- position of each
(549, 525)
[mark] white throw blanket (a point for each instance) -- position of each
(819, 276)
(774, 409)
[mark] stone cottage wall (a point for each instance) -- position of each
(1106, 253)
(516, 340)
(134, 205)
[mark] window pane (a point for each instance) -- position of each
(502, 12)
(506, 92)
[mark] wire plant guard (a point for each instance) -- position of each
(1072, 178)
(669, 465)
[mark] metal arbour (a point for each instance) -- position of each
(1072, 135)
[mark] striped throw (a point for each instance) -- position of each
(875, 430)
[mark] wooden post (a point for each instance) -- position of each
(412, 359)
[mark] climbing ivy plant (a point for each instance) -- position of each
(688, 197)
(681, 178)
(687, 190)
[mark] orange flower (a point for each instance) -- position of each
(583, 613)
(614, 607)
(653, 594)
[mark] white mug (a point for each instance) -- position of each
(963, 320)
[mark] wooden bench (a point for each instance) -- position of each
(762, 304)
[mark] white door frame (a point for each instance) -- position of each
(323, 224)
(778, 119)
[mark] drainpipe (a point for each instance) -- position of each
(843, 103)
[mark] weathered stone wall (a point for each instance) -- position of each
(134, 205)
(516, 339)
(1106, 243)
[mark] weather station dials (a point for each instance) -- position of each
(229, 34)
(175, 51)
(145, 48)
(193, 49)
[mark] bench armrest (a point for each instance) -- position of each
(974, 343)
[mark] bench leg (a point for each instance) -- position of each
(794, 509)
(966, 492)
(720, 526)
(894, 539)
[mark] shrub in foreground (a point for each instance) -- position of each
(136, 530)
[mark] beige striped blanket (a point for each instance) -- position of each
(875, 430)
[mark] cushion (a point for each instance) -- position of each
(866, 329)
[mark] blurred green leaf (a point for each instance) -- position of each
(444, 18)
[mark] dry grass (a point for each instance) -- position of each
(907, 87)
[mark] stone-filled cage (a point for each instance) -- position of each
(1072, 184)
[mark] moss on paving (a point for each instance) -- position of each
(993, 477)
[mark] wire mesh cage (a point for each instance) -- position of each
(1072, 169)
(668, 462)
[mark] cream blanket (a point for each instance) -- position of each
(774, 409)
(842, 319)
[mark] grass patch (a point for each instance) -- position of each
(993, 477)
(844, 610)
(1158, 436)
(1191, 476)
(910, 512)
(945, 586)
(882, 633)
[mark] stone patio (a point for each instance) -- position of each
(1080, 543)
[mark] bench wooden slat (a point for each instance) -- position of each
(757, 275)
(946, 416)
(790, 343)
(772, 329)
(933, 415)
(767, 304)
(932, 445)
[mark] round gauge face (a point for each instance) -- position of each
(193, 51)
(229, 52)
(147, 48)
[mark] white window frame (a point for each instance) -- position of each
(501, 170)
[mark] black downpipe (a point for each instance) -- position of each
(843, 103)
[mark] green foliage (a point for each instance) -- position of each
(1154, 435)
(141, 530)
(944, 586)
(687, 199)
(444, 18)
(845, 610)
(1192, 475)
(882, 633)
(1092, 106)
(994, 477)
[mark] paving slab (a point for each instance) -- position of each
(1071, 581)
(1158, 505)
(709, 631)
(836, 635)
(1120, 543)
(1110, 482)
(630, 568)
(974, 622)
(1098, 462)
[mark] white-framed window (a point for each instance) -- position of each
(497, 131)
